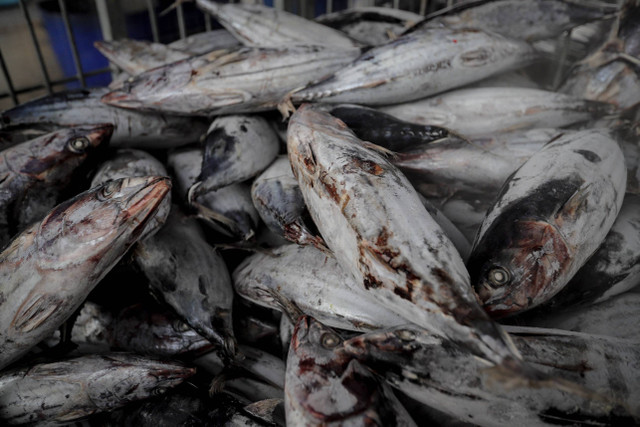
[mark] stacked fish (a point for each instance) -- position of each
(446, 232)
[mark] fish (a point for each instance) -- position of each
(323, 387)
(191, 277)
(185, 164)
(376, 225)
(243, 80)
(277, 198)
(329, 293)
(131, 128)
(490, 110)
(265, 366)
(128, 162)
(199, 43)
(543, 227)
(371, 26)
(418, 65)
(48, 270)
(460, 242)
(433, 370)
(236, 149)
(465, 210)
(137, 56)
(530, 21)
(35, 174)
(262, 26)
(64, 391)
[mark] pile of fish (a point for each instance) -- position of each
(373, 218)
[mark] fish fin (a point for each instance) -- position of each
(173, 6)
(35, 311)
(264, 408)
(74, 415)
(289, 308)
(300, 234)
(379, 149)
(217, 385)
(574, 204)
(285, 106)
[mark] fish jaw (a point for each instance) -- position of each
(144, 203)
(537, 259)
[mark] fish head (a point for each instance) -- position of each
(97, 226)
(313, 343)
(517, 267)
(127, 378)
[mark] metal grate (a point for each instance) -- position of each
(112, 27)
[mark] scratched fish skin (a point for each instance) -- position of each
(432, 370)
(34, 174)
(199, 43)
(418, 65)
(229, 211)
(137, 56)
(236, 148)
(261, 26)
(278, 200)
(374, 222)
(484, 111)
(130, 163)
(47, 271)
(371, 26)
(61, 392)
(543, 227)
(315, 282)
(527, 20)
(191, 277)
(324, 388)
(480, 165)
(131, 128)
(615, 317)
(242, 80)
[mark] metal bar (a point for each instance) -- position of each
(72, 42)
(153, 20)
(181, 24)
(207, 22)
(278, 4)
(36, 45)
(423, 7)
(329, 6)
(396, 4)
(53, 83)
(12, 91)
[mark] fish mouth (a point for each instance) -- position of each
(300, 331)
(120, 98)
(100, 133)
(143, 204)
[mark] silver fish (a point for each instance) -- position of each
(48, 270)
(226, 82)
(262, 26)
(199, 43)
(373, 220)
(262, 364)
(61, 392)
(313, 281)
(325, 388)
(34, 174)
(137, 56)
(458, 239)
(465, 210)
(486, 111)
(130, 163)
(191, 277)
(418, 65)
(544, 227)
(131, 128)
(185, 165)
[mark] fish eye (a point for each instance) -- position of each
(180, 326)
(498, 276)
(158, 391)
(406, 335)
(329, 340)
(78, 145)
(109, 189)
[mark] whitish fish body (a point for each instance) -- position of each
(137, 56)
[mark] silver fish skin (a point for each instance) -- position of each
(137, 56)
(325, 388)
(199, 43)
(61, 392)
(515, 78)
(262, 26)
(33, 174)
(252, 390)
(131, 128)
(262, 364)
(458, 239)
(185, 165)
(316, 283)
(278, 200)
(371, 26)
(47, 271)
(243, 80)
(236, 148)
(465, 210)
(154, 331)
(615, 317)
(419, 65)
(479, 165)
(374, 222)
(130, 163)
(432, 370)
(526, 20)
(191, 277)
(543, 227)
(485, 111)
(229, 211)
